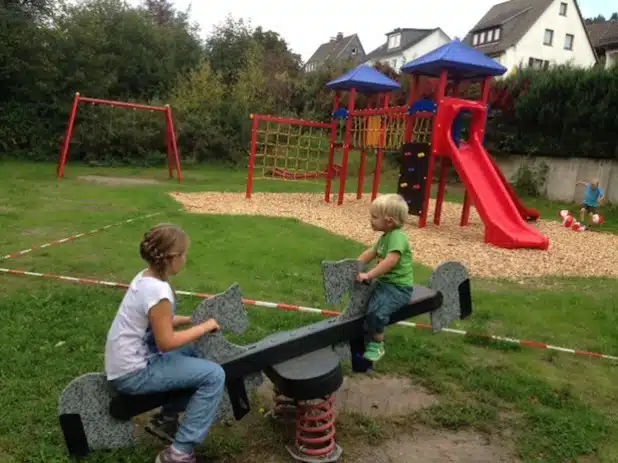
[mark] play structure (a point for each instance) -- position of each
(304, 365)
(425, 132)
(170, 133)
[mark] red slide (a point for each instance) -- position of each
(504, 225)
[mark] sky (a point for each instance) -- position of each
(313, 22)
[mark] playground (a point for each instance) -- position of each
(521, 363)
(433, 244)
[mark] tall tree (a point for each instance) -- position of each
(162, 11)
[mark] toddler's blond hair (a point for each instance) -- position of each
(391, 206)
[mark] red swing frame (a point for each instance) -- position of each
(170, 133)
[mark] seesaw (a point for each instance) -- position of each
(304, 364)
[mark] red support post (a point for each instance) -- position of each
(330, 170)
(414, 90)
(465, 210)
(361, 174)
(441, 190)
(437, 131)
(380, 154)
(67, 138)
(170, 121)
(168, 143)
(254, 127)
(346, 147)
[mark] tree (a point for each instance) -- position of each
(601, 18)
(162, 11)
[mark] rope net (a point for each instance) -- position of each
(291, 149)
(422, 129)
(368, 130)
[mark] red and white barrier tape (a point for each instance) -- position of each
(74, 237)
(114, 284)
(326, 313)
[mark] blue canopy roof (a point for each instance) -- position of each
(365, 79)
(460, 60)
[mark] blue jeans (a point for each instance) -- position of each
(384, 301)
(181, 369)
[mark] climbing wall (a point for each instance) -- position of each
(413, 175)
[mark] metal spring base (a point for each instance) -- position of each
(315, 432)
(284, 408)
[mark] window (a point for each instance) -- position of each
(394, 41)
(488, 36)
(563, 9)
(354, 51)
(568, 41)
(549, 37)
(538, 63)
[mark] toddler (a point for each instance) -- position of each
(144, 354)
(393, 272)
(594, 196)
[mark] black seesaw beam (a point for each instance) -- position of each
(291, 344)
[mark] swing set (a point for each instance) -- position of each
(170, 133)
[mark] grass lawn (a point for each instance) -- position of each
(549, 406)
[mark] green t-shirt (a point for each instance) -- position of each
(396, 241)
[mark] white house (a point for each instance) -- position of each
(403, 45)
(534, 33)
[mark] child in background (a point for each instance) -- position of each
(144, 354)
(393, 272)
(593, 198)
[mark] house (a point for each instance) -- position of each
(604, 37)
(534, 33)
(338, 49)
(404, 45)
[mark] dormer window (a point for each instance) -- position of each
(487, 36)
(394, 41)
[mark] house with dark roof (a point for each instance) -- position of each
(604, 38)
(536, 33)
(404, 44)
(339, 49)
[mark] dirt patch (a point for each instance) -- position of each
(382, 396)
(432, 245)
(117, 181)
(431, 447)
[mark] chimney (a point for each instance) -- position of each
(339, 35)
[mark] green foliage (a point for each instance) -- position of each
(152, 54)
(562, 111)
(530, 179)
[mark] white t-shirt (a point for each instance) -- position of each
(129, 341)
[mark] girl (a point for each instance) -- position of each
(144, 354)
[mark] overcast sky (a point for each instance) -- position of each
(310, 23)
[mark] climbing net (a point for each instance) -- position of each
(289, 149)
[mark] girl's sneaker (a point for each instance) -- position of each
(171, 455)
(163, 427)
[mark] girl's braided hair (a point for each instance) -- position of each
(161, 244)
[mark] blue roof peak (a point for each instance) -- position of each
(365, 79)
(459, 59)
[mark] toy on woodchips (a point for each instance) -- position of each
(569, 221)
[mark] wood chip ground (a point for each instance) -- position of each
(571, 253)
